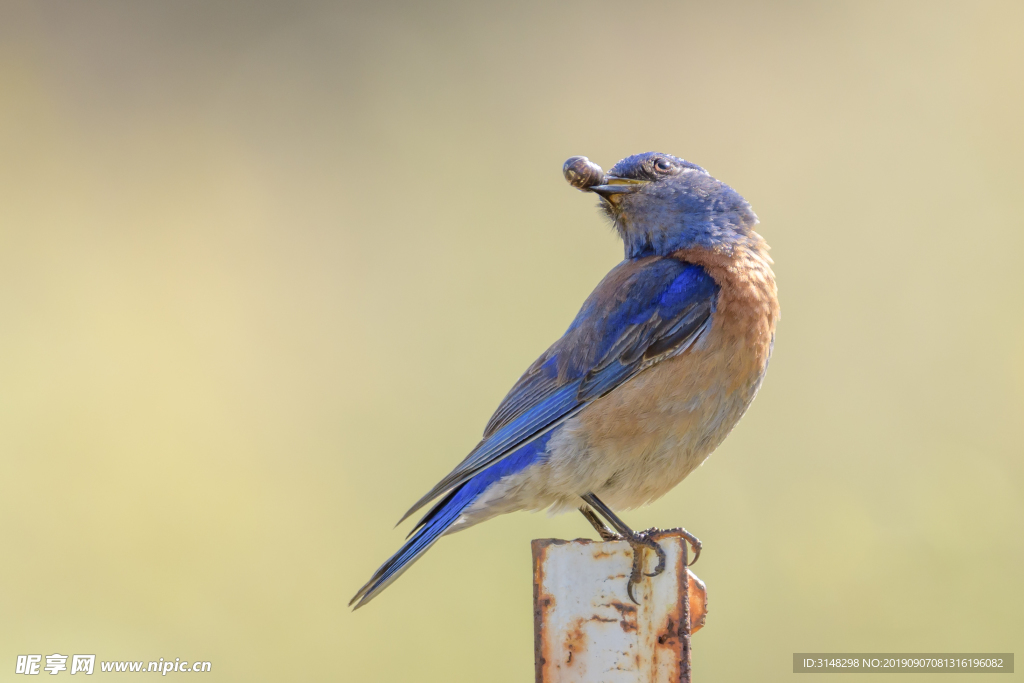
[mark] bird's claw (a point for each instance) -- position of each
(639, 541)
(692, 540)
(647, 538)
(629, 592)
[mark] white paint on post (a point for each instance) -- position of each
(587, 628)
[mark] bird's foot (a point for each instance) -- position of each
(694, 542)
(639, 541)
(605, 533)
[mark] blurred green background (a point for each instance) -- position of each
(267, 268)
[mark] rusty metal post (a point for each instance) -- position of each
(586, 629)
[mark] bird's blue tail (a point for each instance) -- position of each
(443, 515)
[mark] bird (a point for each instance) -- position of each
(661, 362)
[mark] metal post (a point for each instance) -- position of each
(586, 629)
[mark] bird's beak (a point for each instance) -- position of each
(614, 185)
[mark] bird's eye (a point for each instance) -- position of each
(663, 165)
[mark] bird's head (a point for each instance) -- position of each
(660, 203)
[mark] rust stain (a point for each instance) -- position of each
(628, 613)
(622, 608)
(698, 595)
(668, 634)
(575, 639)
(684, 631)
(543, 603)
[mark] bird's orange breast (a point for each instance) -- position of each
(642, 439)
(747, 309)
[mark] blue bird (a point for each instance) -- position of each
(661, 362)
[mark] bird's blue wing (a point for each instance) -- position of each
(643, 311)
